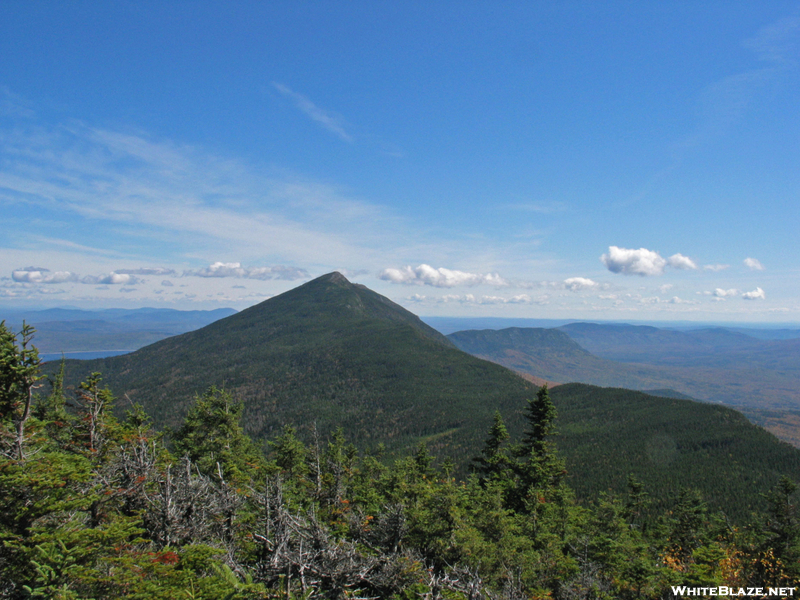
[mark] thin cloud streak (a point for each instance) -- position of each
(329, 121)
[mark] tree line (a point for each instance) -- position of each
(95, 506)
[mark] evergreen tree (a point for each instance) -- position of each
(494, 463)
(538, 468)
(212, 438)
(19, 374)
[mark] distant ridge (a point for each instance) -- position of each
(71, 330)
(759, 377)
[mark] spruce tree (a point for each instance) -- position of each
(494, 463)
(538, 467)
(212, 437)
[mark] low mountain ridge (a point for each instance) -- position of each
(761, 378)
(72, 330)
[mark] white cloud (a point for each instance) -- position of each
(41, 275)
(753, 264)
(676, 300)
(720, 293)
(221, 269)
(576, 284)
(633, 262)
(679, 261)
(441, 277)
(642, 261)
(665, 288)
(147, 271)
(715, 267)
(167, 283)
(756, 294)
(330, 121)
(112, 278)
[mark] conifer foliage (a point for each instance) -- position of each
(92, 506)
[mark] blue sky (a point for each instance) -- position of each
(616, 160)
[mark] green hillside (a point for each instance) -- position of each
(331, 353)
(608, 433)
(335, 354)
(759, 378)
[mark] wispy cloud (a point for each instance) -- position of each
(14, 105)
(330, 121)
(147, 271)
(111, 279)
(546, 208)
(716, 267)
(472, 299)
(725, 101)
(145, 199)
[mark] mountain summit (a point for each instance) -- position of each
(328, 352)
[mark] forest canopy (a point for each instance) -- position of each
(96, 506)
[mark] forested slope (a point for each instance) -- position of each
(331, 354)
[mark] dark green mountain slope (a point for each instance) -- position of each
(339, 354)
(328, 352)
(607, 433)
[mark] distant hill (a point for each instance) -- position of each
(72, 330)
(761, 378)
(554, 356)
(337, 354)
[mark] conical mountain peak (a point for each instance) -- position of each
(328, 352)
(335, 277)
(330, 303)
